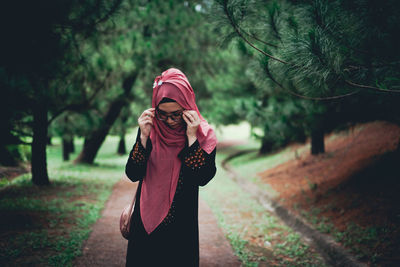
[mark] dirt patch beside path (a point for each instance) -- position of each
(354, 183)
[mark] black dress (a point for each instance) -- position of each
(175, 242)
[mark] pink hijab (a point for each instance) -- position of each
(163, 166)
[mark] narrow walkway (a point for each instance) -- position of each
(106, 247)
(215, 250)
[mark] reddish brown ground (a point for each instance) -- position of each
(356, 180)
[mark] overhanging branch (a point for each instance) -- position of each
(82, 105)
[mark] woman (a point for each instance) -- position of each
(173, 155)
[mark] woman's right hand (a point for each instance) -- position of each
(146, 122)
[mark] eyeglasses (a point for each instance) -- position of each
(163, 116)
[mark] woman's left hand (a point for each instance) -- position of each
(193, 121)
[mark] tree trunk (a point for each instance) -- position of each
(71, 145)
(92, 143)
(317, 141)
(68, 136)
(39, 158)
(66, 139)
(266, 147)
(121, 145)
(65, 148)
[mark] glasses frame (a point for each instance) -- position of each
(177, 119)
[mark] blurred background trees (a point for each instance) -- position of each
(38, 57)
(85, 69)
(322, 64)
(292, 69)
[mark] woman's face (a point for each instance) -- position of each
(171, 114)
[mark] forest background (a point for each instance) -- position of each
(293, 70)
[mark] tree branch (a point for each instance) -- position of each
(371, 87)
(322, 98)
(114, 8)
(82, 105)
(237, 30)
(269, 73)
(258, 39)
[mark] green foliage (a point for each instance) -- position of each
(55, 220)
(342, 53)
(84, 56)
(150, 37)
(228, 90)
(22, 152)
(40, 58)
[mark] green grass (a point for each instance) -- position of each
(233, 132)
(251, 164)
(360, 241)
(256, 235)
(254, 163)
(47, 225)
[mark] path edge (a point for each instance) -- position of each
(330, 250)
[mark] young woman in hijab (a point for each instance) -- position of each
(173, 155)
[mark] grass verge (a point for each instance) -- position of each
(47, 225)
(374, 242)
(360, 241)
(257, 236)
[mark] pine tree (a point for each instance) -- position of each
(330, 53)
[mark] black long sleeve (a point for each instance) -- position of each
(135, 168)
(197, 165)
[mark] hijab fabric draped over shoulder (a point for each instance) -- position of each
(163, 166)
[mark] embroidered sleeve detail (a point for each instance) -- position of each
(138, 153)
(195, 159)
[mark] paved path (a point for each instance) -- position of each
(106, 247)
(215, 250)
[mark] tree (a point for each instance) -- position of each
(93, 142)
(325, 52)
(37, 55)
(66, 126)
(149, 38)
